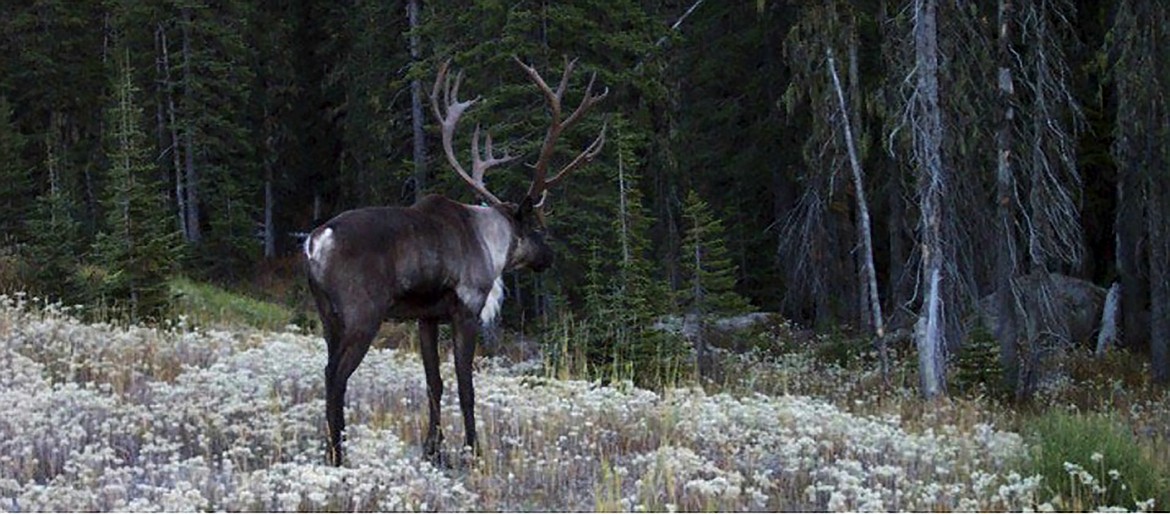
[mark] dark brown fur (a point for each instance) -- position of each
(436, 261)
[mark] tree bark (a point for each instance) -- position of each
(176, 147)
(416, 106)
(1159, 279)
(1130, 257)
(194, 234)
(1007, 325)
(696, 318)
(622, 215)
(269, 198)
(868, 272)
(931, 328)
(1108, 335)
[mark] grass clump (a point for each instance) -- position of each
(1090, 461)
(207, 304)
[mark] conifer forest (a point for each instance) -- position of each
(866, 255)
(918, 173)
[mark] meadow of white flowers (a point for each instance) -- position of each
(101, 418)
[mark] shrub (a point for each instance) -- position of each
(977, 365)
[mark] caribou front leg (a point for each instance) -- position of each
(465, 328)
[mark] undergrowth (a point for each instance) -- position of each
(205, 304)
(231, 419)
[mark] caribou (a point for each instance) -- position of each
(437, 261)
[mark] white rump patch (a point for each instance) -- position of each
(317, 246)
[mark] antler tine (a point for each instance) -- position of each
(540, 183)
(480, 163)
(564, 85)
(591, 152)
(447, 124)
(587, 101)
(553, 98)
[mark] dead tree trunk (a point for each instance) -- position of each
(194, 234)
(696, 318)
(176, 147)
(868, 272)
(1007, 325)
(932, 183)
(416, 106)
(1108, 336)
(1159, 280)
(269, 195)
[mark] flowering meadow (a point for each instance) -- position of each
(96, 417)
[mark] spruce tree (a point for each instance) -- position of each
(709, 286)
(136, 249)
(637, 297)
(16, 192)
(53, 248)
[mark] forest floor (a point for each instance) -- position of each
(100, 417)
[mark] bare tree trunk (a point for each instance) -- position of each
(928, 136)
(52, 161)
(622, 214)
(194, 234)
(1108, 335)
(176, 159)
(1007, 325)
(1159, 279)
(1130, 256)
(160, 110)
(416, 107)
(696, 318)
(868, 273)
(269, 207)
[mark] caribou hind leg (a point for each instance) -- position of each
(344, 357)
(428, 339)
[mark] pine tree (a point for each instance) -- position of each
(636, 297)
(219, 167)
(54, 239)
(709, 284)
(136, 249)
(16, 191)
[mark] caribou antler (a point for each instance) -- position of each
(480, 163)
(541, 184)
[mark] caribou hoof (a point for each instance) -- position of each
(438, 459)
(333, 457)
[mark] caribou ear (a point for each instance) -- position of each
(525, 208)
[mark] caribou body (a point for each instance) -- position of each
(437, 261)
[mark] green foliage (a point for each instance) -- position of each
(376, 126)
(204, 304)
(977, 366)
(213, 93)
(622, 309)
(137, 247)
(843, 350)
(729, 137)
(709, 274)
(54, 246)
(1095, 446)
(16, 186)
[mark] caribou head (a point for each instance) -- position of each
(437, 261)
